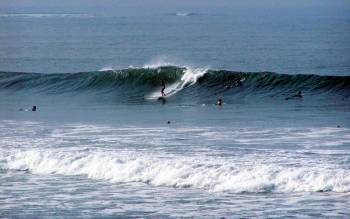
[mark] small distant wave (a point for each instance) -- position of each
(33, 15)
(179, 172)
(184, 14)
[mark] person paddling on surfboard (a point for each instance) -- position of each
(162, 91)
(298, 94)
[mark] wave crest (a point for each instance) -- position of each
(203, 82)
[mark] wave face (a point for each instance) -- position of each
(201, 83)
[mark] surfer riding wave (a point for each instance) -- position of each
(162, 91)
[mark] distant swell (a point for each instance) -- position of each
(36, 15)
(143, 81)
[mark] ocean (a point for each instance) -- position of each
(102, 145)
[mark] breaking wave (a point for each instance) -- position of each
(179, 172)
(201, 83)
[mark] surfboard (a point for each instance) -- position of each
(162, 100)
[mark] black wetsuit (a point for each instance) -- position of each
(163, 84)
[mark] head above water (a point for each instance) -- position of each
(219, 102)
(34, 108)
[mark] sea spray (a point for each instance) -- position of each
(189, 78)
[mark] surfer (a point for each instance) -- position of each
(219, 102)
(162, 91)
(226, 87)
(162, 97)
(298, 94)
(33, 109)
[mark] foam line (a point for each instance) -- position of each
(177, 171)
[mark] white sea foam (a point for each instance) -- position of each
(178, 171)
(189, 78)
(160, 63)
(152, 156)
(106, 69)
(184, 14)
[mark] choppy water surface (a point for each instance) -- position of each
(94, 170)
(100, 144)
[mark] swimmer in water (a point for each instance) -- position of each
(218, 102)
(226, 87)
(162, 91)
(34, 108)
(298, 94)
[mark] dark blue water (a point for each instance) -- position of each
(281, 39)
(101, 144)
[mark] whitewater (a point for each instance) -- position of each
(101, 145)
(104, 135)
(223, 165)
